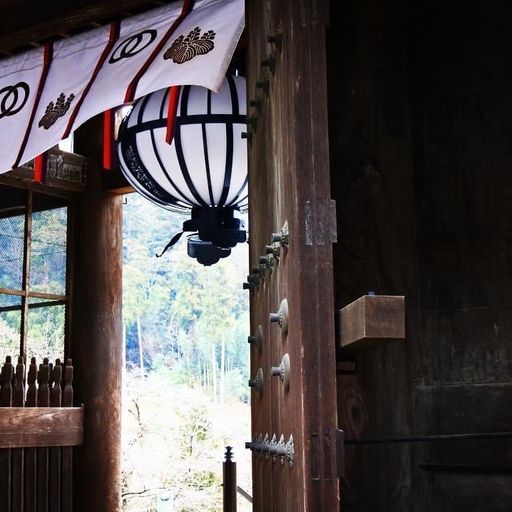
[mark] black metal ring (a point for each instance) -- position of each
(132, 46)
(10, 104)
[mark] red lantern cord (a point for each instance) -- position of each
(40, 162)
(174, 96)
(108, 139)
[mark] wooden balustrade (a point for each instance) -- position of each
(38, 427)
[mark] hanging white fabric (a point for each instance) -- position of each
(47, 93)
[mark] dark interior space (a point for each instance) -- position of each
(421, 150)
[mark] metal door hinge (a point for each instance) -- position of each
(327, 454)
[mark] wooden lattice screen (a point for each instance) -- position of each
(38, 427)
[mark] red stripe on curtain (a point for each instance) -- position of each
(48, 55)
(114, 36)
(188, 5)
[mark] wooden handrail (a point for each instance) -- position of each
(23, 427)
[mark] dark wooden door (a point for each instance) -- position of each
(421, 150)
(289, 187)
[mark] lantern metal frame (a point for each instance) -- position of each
(218, 230)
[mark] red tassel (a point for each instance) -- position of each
(108, 139)
(40, 162)
(174, 96)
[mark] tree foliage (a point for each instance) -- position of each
(179, 314)
(186, 332)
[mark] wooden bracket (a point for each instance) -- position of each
(370, 321)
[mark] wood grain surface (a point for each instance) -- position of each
(40, 426)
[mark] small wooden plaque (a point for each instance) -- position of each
(372, 320)
(65, 171)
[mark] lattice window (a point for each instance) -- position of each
(34, 287)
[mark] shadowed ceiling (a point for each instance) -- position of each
(28, 23)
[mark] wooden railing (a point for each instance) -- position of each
(38, 427)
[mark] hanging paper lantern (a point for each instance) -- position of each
(203, 170)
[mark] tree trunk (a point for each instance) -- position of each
(214, 373)
(141, 350)
(222, 368)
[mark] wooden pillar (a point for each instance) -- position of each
(97, 335)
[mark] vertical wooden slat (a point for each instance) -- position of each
(31, 453)
(55, 453)
(43, 400)
(67, 451)
(70, 258)
(5, 454)
(17, 453)
(27, 244)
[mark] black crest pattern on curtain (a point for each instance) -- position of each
(54, 111)
(185, 48)
(13, 98)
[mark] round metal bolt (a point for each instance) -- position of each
(282, 371)
(275, 318)
(256, 339)
(257, 104)
(269, 63)
(281, 317)
(276, 371)
(274, 251)
(263, 85)
(253, 279)
(257, 383)
(277, 39)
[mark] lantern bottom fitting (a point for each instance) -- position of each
(217, 225)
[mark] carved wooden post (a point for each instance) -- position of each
(55, 453)
(31, 453)
(43, 461)
(67, 451)
(5, 455)
(97, 333)
(17, 453)
(229, 481)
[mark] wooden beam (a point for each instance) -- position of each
(371, 320)
(24, 427)
(31, 23)
(64, 171)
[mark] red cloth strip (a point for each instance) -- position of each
(40, 162)
(108, 139)
(48, 55)
(114, 36)
(174, 96)
(132, 88)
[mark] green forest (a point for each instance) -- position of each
(186, 395)
(179, 315)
